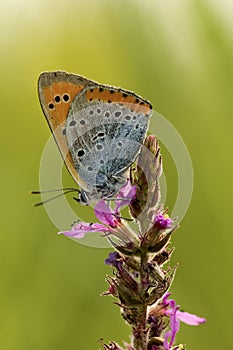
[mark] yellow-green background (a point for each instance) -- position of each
(178, 54)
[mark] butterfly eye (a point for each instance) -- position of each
(82, 122)
(127, 117)
(89, 168)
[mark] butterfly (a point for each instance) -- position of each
(99, 130)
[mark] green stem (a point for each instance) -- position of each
(139, 329)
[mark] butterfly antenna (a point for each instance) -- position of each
(65, 191)
(71, 189)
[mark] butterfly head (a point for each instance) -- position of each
(83, 198)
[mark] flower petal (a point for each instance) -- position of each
(105, 214)
(114, 259)
(166, 336)
(174, 325)
(190, 319)
(79, 230)
(165, 300)
(172, 311)
(127, 192)
(162, 221)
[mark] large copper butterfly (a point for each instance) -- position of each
(99, 130)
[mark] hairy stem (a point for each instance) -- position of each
(139, 330)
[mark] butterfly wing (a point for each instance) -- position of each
(56, 92)
(105, 129)
(99, 129)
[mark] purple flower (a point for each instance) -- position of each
(114, 259)
(189, 319)
(106, 215)
(79, 230)
(125, 195)
(162, 221)
(174, 325)
(171, 309)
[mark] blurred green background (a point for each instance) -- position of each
(179, 55)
